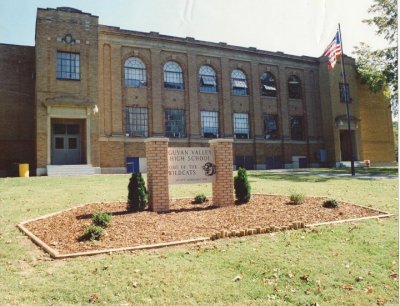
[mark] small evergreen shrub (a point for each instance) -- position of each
(297, 198)
(331, 203)
(137, 193)
(242, 186)
(101, 219)
(200, 198)
(93, 232)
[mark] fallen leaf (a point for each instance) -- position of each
(237, 278)
(380, 302)
(93, 298)
(347, 287)
(359, 278)
(394, 275)
(369, 290)
(305, 278)
(272, 297)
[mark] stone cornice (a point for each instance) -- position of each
(190, 41)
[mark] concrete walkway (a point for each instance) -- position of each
(333, 174)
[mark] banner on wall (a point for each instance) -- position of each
(189, 165)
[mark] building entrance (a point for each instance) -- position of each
(66, 144)
(345, 145)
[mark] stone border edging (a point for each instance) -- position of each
(56, 255)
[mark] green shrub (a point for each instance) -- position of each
(297, 198)
(200, 198)
(242, 186)
(93, 232)
(331, 203)
(101, 219)
(137, 193)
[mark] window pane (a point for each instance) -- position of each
(268, 85)
(174, 123)
(59, 128)
(59, 143)
(136, 122)
(208, 79)
(73, 129)
(241, 125)
(135, 72)
(271, 127)
(294, 87)
(209, 124)
(173, 77)
(68, 66)
(73, 143)
(296, 128)
(239, 83)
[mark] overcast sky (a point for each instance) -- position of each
(298, 27)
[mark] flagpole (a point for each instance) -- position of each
(346, 99)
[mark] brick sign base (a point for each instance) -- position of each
(157, 173)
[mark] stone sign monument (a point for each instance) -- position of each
(188, 165)
(191, 165)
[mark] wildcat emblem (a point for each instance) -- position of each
(209, 169)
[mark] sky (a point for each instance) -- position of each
(297, 27)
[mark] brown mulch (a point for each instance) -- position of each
(64, 231)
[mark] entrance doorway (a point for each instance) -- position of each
(66, 143)
(345, 145)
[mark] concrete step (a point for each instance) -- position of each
(347, 164)
(66, 170)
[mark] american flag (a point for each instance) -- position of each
(333, 51)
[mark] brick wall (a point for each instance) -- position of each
(73, 99)
(17, 99)
(222, 188)
(157, 173)
(376, 130)
(115, 48)
(104, 50)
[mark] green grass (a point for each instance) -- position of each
(292, 268)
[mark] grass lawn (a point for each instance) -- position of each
(349, 264)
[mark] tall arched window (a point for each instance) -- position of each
(294, 87)
(208, 79)
(173, 76)
(239, 83)
(268, 85)
(135, 72)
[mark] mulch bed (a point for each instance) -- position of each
(63, 231)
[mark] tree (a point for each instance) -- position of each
(378, 68)
(242, 186)
(137, 193)
(396, 139)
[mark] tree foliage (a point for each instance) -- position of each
(378, 68)
(242, 186)
(137, 193)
